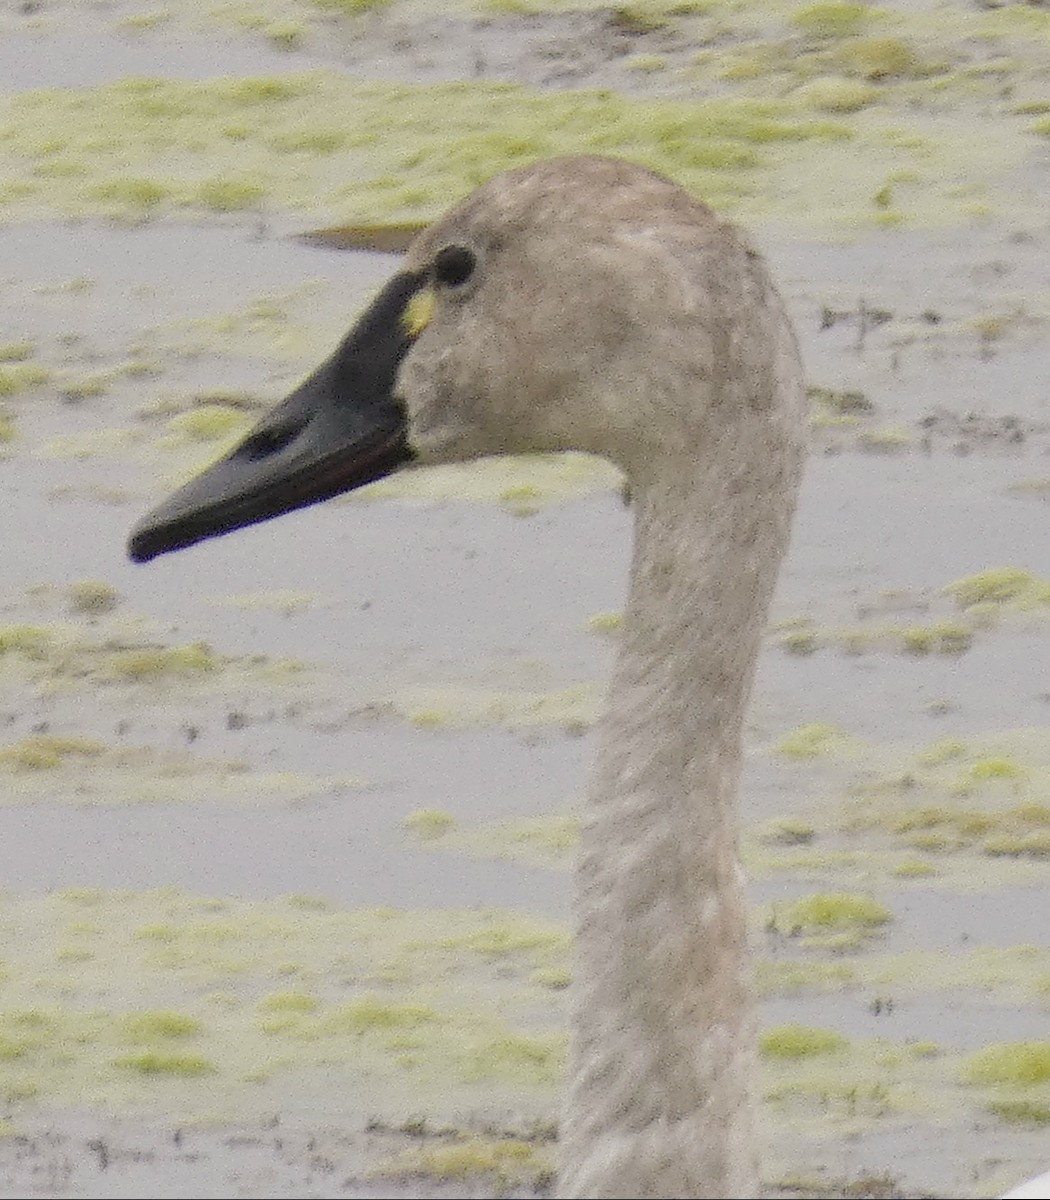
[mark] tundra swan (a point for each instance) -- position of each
(584, 303)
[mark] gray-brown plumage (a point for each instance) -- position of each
(587, 304)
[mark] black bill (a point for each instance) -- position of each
(340, 429)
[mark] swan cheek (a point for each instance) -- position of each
(441, 426)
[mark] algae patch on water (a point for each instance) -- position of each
(81, 771)
(521, 484)
(141, 146)
(799, 1041)
(812, 741)
(338, 151)
(457, 706)
(165, 1002)
(830, 920)
(504, 1163)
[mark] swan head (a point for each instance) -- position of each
(575, 304)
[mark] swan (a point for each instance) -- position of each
(584, 303)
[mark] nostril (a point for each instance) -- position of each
(270, 439)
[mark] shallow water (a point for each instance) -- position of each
(449, 598)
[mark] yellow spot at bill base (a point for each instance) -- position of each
(418, 312)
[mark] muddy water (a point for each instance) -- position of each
(371, 660)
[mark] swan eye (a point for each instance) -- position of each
(454, 265)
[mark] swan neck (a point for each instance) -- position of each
(662, 1054)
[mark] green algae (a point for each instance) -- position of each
(503, 1163)
(167, 661)
(457, 1027)
(371, 1013)
(983, 798)
(999, 585)
(22, 377)
(1032, 1113)
(605, 622)
(16, 351)
(160, 1025)
(1018, 1063)
(833, 920)
(209, 423)
(880, 58)
(325, 147)
(155, 1062)
(174, 130)
(235, 1045)
(81, 771)
(940, 637)
(93, 444)
(799, 1041)
(775, 977)
(44, 752)
(289, 1002)
(549, 479)
(92, 597)
(786, 831)
(831, 20)
(504, 937)
(837, 94)
(538, 841)
(352, 8)
(429, 824)
(889, 439)
(574, 708)
(117, 652)
(811, 741)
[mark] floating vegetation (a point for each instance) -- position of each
(605, 622)
(837, 94)
(507, 1163)
(224, 194)
(1032, 1113)
(285, 35)
(289, 1002)
(831, 20)
(787, 831)
(1019, 1063)
(1000, 585)
(155, 1062)
(890, 439)
(831, 920)
(799, 1041)
(574, 708)
(140, 196)
(160, 661)
(369, 1013)
(45, 751)
(92, 597)
(522, 484)
(940, 637)
(914, 868)
(16, 351)
(1031, 845)
(428, 824)
(33, 641)
(143, 143)
(209, 422)
(880, 58)
(159, 1025)
(811, 741)
(22, 377)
